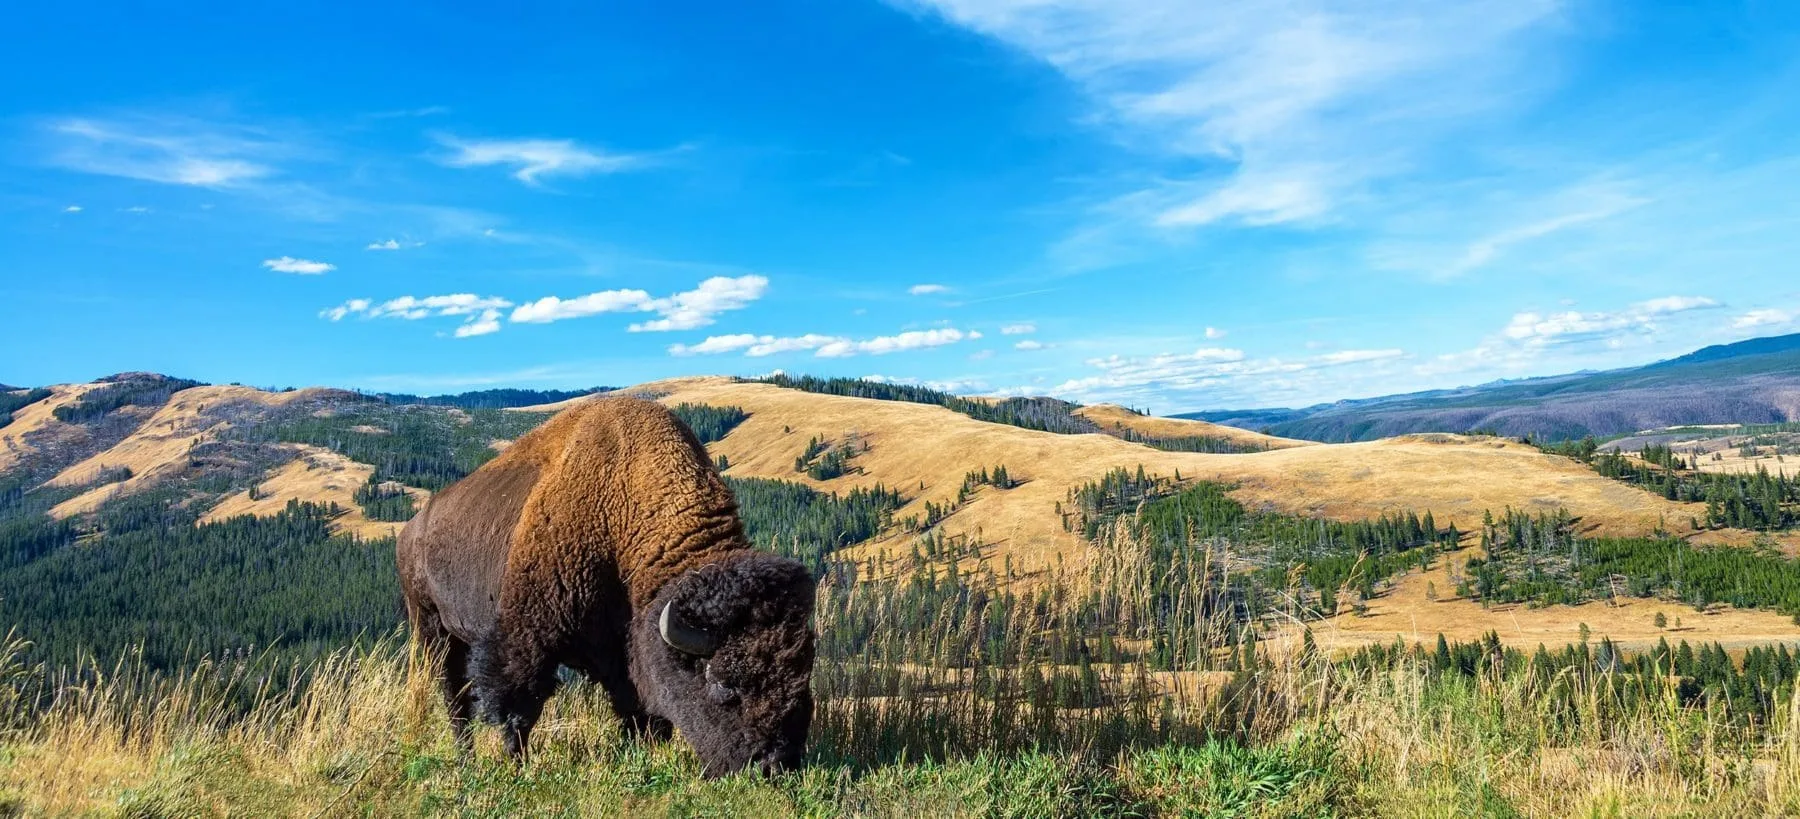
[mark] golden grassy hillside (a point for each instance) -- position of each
(159, 446)
(1113, 416)
(33, 419)
(1420, 605)
(317, 476)
(924, 451)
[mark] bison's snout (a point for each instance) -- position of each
(778, 759)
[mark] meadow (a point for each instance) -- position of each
(944, 694)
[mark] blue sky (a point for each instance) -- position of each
(1164, 203)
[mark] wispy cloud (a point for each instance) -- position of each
(393, 244)
(1029, 344)
(1763, 317)
(423, 111)
(955, 386)
(171, 150)
(1214, 334)
(1214, 374)
(348, 308)
(682, 311)
(534, 159)
(824, 346)
(1571, 326)
(1530, 335)
(1295, 108)
(1023, 328)
(72, 209)
(303, 267)
(927, 289)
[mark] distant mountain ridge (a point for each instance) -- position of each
(1752, 381)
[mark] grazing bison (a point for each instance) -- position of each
(605, 541)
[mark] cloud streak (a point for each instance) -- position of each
(532, 160)
(299, 267)
(168, 150)
(1294, 107)
(824, 346)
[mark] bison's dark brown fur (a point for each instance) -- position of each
(600, 542)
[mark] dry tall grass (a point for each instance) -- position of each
(941, 696)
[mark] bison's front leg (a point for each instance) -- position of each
(513, 683)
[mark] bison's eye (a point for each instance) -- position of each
(720, 695)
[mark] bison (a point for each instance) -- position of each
(605, 541)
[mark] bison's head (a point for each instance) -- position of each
(729, 650)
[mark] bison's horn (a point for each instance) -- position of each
(683, 637)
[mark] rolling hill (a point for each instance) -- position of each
(139, 459)
(1754, 381)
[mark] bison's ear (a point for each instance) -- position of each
(683, 637)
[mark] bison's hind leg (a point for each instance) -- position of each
(454, 681)
(449, 658)
(512, 683)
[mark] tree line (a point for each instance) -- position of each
(13, 401)
(490, 399)
(1739, 500)
(1044, 414)
(122, 391)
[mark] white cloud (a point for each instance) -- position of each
(768, 345)
(1530, 335)
(393, 244)
(1210, 371)
(697, 307)
(1674, 304)
(682, 311)
(482, 313)
(552, 308)
(927, 289)
(1359, 356)
(1029, 344)
(718, 344)
(487, 322)
(303, 267)
(883, 345)
(136, 209)
(1297, 107)
(163, 149)
(1570, 326)
(824, 346)
(1214, 333)
(534, 159)
(72, 209)
(350, 307)
(1023, 328)
(1762, 318)
(959, 386)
